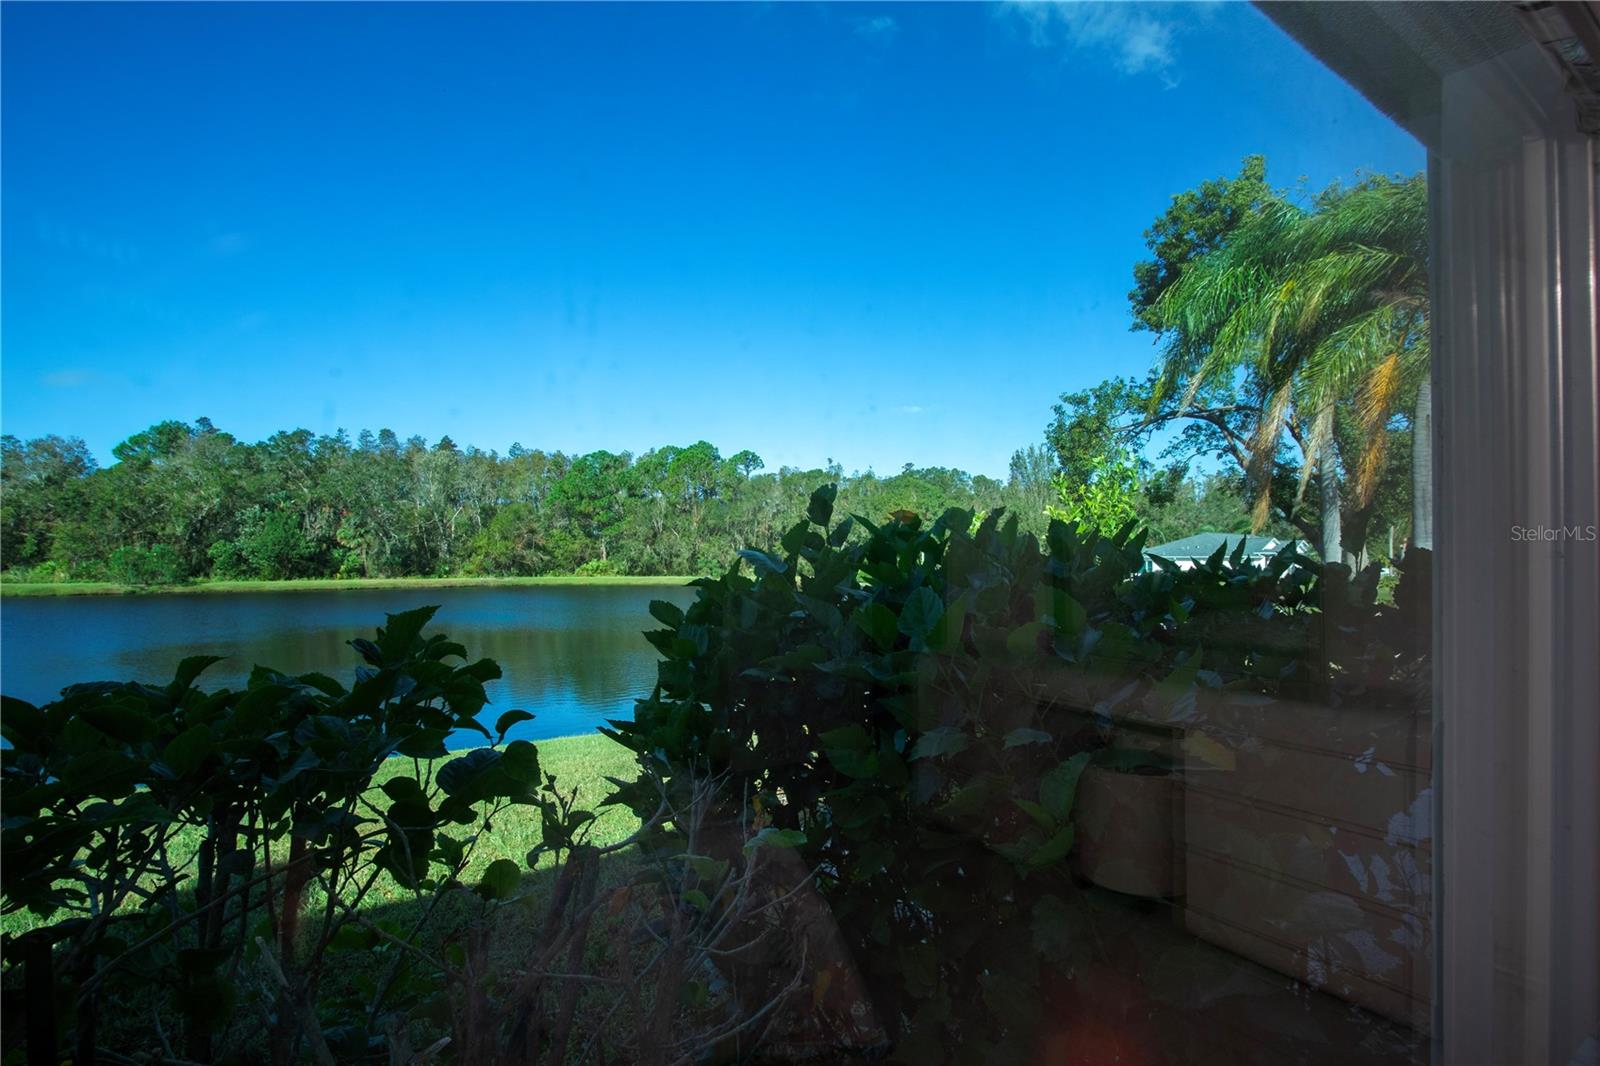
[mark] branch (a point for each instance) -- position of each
(167, 929)
(307, 1017)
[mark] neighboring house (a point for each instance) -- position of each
(1189, 552)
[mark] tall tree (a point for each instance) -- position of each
(41, 485)
(1313, 307)
(1199, 221)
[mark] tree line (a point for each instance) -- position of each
(190, 501)
(186, 501)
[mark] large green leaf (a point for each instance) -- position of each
(21, 723)
(850, 737)
(424, 743)
(879, 623)
(1059, 788)
(1024, 735)
(191, 668)
(921, 614)
(402, 630)
(469, 775)
(1053, 850)
(185, 752)
(773, 837)
(519, 766)
(946, 740)
(820, 509)
(120, 721)
(763, 562)
(504, 723)
(668, 614)
(500, 880)
(404, 788)
(1023, 641)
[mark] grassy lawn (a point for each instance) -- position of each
(579, 763)
(108, 588)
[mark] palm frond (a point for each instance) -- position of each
(1316, 307)
(1316, 445)
(1263, 450)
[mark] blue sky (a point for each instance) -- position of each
(876, 234)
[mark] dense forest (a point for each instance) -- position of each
(186, 501)
(189, 501)
(1292, 370)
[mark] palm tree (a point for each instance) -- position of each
(1313, 308)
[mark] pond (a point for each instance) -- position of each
(573, 655)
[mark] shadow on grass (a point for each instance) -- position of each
(137, 1017)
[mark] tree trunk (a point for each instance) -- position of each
(1332, 551)
(1422, 468)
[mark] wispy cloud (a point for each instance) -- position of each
(910, 409)
(1137, 38)
(879, 27)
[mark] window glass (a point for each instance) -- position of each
(655, 533)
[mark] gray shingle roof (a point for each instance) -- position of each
(1203, 545)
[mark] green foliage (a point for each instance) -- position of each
(40, 482)
(301, 505)
(1295, 350)
(913, 707)
(1199, 221)
(1312, 314)
(158, 565)
(1093, 424)
(45, 573)
(510, 543)
(107, 789)
(908, 706)
(270, 546)
(1105, 501)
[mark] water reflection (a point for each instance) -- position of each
(574, 656)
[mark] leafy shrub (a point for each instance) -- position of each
(159, 565)
(166, 838)
(204, 858)
(271, 545)
(228, 561)
(598, 568)
(47, 572)
(916, 705)
(510, 543)
(1105, 501)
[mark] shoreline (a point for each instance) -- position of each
(43, 589)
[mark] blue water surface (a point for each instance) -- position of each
(573, 655)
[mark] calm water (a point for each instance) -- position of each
(574, 656)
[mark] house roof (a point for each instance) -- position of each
(1402, 53)
(1397, 53)
(1204, 545)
